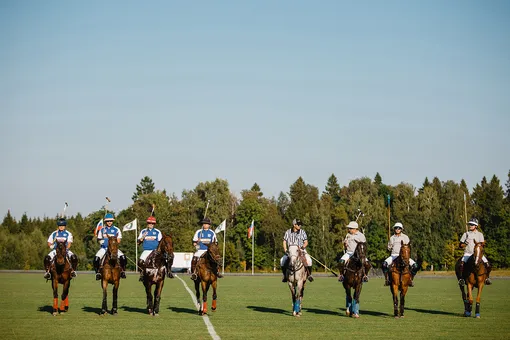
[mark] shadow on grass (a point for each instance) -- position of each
(269, 310)
(436, 312)
(134, 310)
(91, 310)
(319, 311)
(183, 310)
(45, 309)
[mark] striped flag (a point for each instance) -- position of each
(251, 229)
(99, 226)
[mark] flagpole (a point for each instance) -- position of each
(224, 241)
(136, 246)
(252, 248)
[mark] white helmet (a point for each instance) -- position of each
(398, 225)
(352, 225)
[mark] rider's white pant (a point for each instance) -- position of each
(100, 253)
(199, 253)
(467, 256)
(392, 257)
(145, 253)
(347, 256)
(54, 252)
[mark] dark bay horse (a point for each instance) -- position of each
(296, 274)
(155, 269)
(474, 275)
(206, 268)
(353, 278)
(110, 272)
(60, 270)
(400, 278)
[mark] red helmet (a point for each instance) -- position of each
(151, 219)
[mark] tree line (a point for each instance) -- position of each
(434, 216)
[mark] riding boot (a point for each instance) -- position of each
(168, 264)
(367, 267)
(310, 277)
(123, 263)
(141, 266)
(47, 265)
(488, 267)
(341, 268)
(386, 270)
(194, 265)
(414, 269)
(461, 274)
(74, 264)
(97, 264)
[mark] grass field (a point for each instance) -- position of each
(256, 307)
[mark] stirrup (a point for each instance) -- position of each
(218, 275)
(47, 275)
(170, 274)
(123, 275)
(194, 276)
(488, 281)
(98, 276)
(341, 278)
(462, 282)
(140, 278)
(411, 283)
(73, 274)
(284, 279)
(310, 278)
(365, 278)
(386, 283)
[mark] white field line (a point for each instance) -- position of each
(207, 322)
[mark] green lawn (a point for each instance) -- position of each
(249, 308)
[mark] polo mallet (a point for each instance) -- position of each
(206, 207)
(65, 208)
(360, 213)
(322, 264)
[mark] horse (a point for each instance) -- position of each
(206, 268)
(400, 278)
(474, 275)
(60, 270)
(353, 278)
(155, 271)
(296, 274)
(110, 273)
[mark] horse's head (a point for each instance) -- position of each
(478, 252)
(294, 257)
(166, 245)
(214, 253)
(361, 251)
(405, 253)
(61, 252)
(113, 247)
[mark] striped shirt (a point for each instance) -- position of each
(295, 237)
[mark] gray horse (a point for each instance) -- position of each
(296, 272)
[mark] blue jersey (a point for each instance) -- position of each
(204, 237)
(151, 238)
(108, 231)
(60, 236)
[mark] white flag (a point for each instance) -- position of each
(130, 226)
(221, 227)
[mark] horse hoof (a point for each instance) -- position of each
(55, 313)
(347, 313)
(150, 311)
(156, 314)
(397, 317)
(356, 316)
(213, 309)
(477, 316)
(294, 313)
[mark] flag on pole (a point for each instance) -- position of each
(130, 226)
(221, 227)
(99, 226)
(250, 229)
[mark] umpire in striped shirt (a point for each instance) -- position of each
(295, 236)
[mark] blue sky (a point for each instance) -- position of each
(96, 95)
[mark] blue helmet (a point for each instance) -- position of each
(108, 217)
(61, 222)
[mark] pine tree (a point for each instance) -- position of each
(146, 187)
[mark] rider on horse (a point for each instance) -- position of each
(295, 236)
(60, 235)
(150, 237)
(350, 243)
(201, 239)
(394, 245)
(467, 242)
(102, 237)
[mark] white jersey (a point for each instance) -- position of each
(471, 237)
(353, 240)
(395, 243)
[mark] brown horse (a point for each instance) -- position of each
(207, 267)
(355, 269)
(400, 278)
(474, 275)
(60, 270)
(110, 272)
(156, 267)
